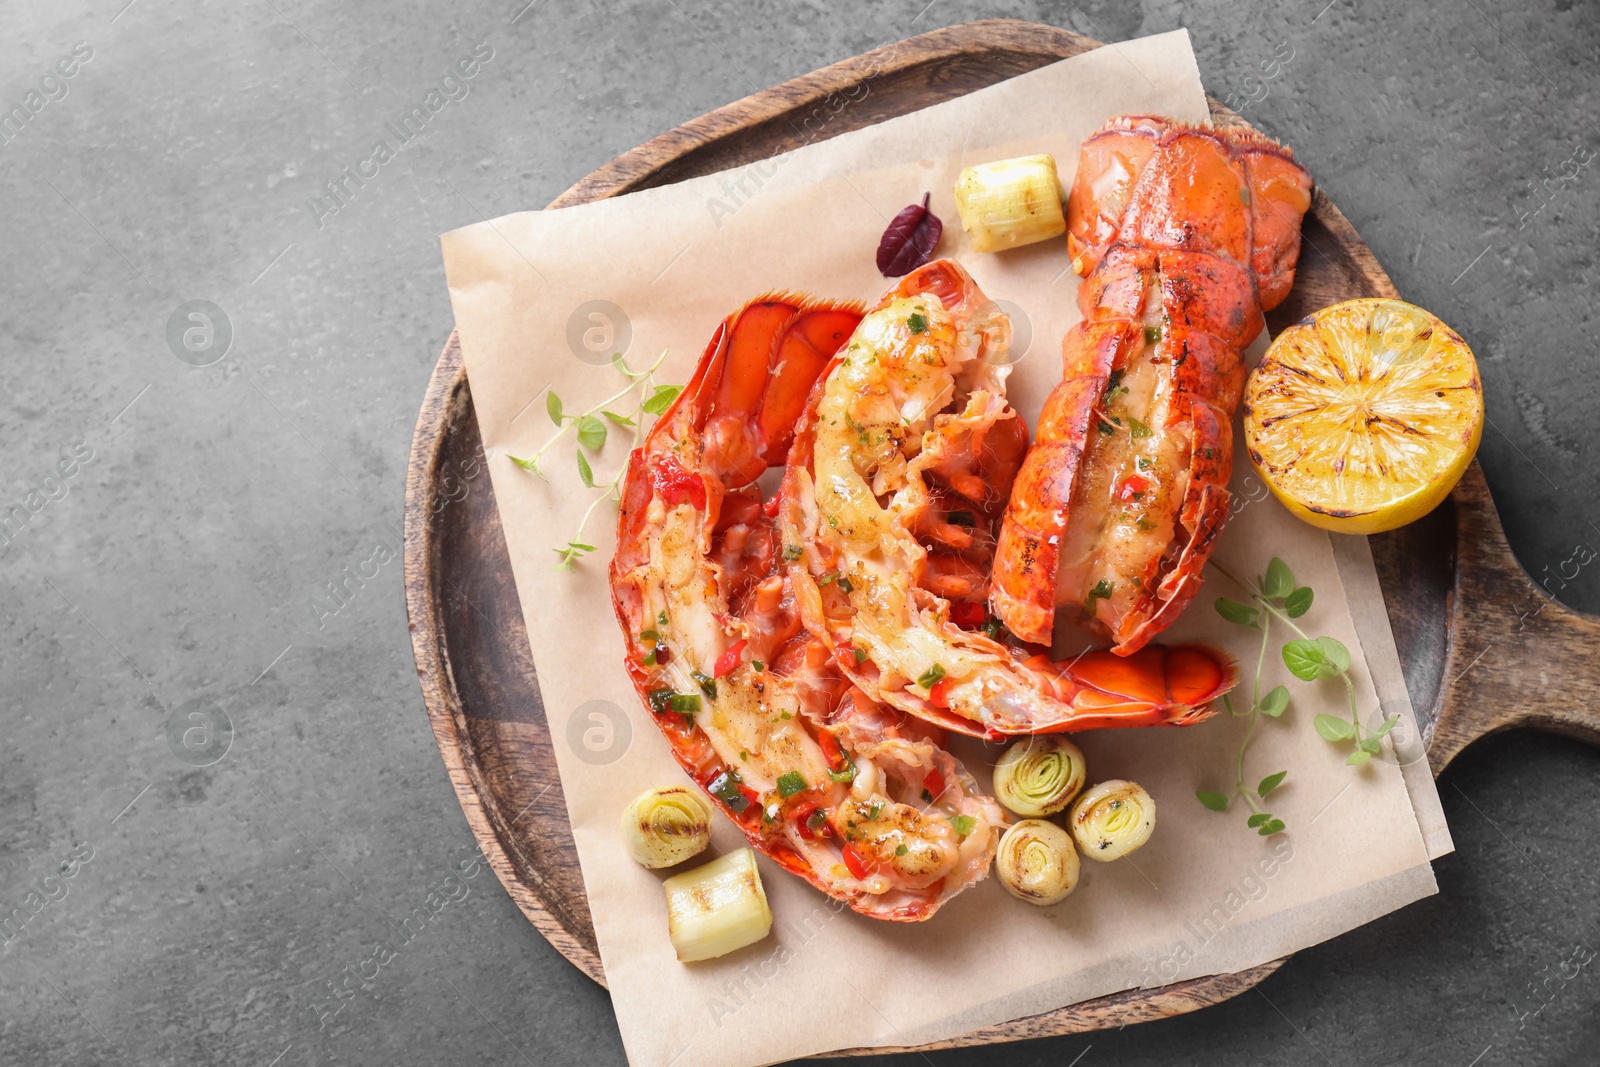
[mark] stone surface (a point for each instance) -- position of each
(181, 578)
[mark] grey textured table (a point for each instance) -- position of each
(180, 523)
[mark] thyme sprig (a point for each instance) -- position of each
(648, 399)
(1278, 596)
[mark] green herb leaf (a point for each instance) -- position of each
(1273, 827)
(1260, 818)
(707, 684)
(687, 703)
(876, 809)
(757, 665)
(591, 433)
(1214, 801)
(1335, 653)
(584, 472)
(552, 404)
(1105, 427)
(964, 824)
(1275, 702)
(661, 399)
(525, 464)
(860, 655)
(901, 850)
(1235, 612)
(1388, 724)
(917, 322)
(660, 700)
(1271, 782)
(620, 420)
(1138, 429)
(1152, 335)
(930, 677)
(1333, 728)
(790, 783)
(1358, 757)
(725, 787)
(1298, 602)
(1306, 660)
(792, 552)
(1102, 590)
(1374, 745)
(1279, 581)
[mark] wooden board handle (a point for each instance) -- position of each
(1516, 657)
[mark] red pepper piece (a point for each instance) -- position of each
(856, 862)
(1132, 486)
(729, 659)
(677, 485)
(802, 818)
(934, 783)
(939, 697)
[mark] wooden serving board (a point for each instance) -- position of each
(1477, 638)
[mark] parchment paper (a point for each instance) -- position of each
(1206, 895)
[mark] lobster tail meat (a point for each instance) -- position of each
(830, 784)
(894, 487)
(1185, 235)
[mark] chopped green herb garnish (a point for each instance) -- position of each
(927, 797)
(743, 754)
(963, 824)
(660, 700)
(901, 851)
(846, 774)
(917, 322)
(994, 628)
(930, 677)
(649, 635)
(707, 684)
(1143, 463)
(1101, 591)
(1152, 335)
(829, 578)
(1145, 524)
(790, 783)
(860, 654)
(876, 809)
(1105, 427)
(786, 715)
(650, 660)
(661, 619)
(758, 665)
(725, 787)
(685, 702)
(792, 552)
(844, 584)
(817, 820)
(1137, 428)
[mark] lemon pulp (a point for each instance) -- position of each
(1362, 417)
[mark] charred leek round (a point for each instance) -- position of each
(667, 826)
(717, 908)
(1113, 819)
(1039, 776)
(1037, 862)
(1010, 202)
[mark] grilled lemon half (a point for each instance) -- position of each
(1362, 417)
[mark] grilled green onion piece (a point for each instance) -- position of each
(1039, 776)
(1037, 862)
(717, 908)
(1113, 819)
(666, 826)
(1010, 202)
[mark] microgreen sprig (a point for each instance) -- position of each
(648, 399)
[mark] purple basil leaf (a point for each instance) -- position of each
(909, 241)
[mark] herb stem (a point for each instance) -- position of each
(572, 420)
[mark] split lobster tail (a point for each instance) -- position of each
(828, 783)
(1185, 236)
